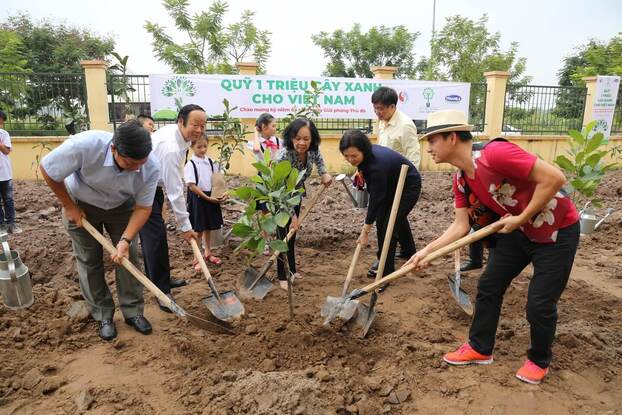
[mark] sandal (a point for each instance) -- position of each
(213, 260)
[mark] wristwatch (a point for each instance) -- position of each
(128, 240)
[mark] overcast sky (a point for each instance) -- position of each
(545, 30)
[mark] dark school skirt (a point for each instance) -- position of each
(204, 216)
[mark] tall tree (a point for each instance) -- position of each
(211, 46)
(353, 53)
(594, 58)
(52, 53)
(464, 49)
(56, 48)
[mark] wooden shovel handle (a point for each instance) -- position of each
(391, 224)
(302, 217)
(355, 259)
(464, 241)
(199, 257)
(127, 264)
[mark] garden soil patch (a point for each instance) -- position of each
(54, 363)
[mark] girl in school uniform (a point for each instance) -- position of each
(204, 210)
(265, 139)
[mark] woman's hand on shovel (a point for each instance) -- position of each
(363, 238)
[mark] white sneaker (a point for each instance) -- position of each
(13, 228)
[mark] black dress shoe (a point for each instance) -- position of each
(468, 266)
(373, 269)
(384, 287)
(175, 283)
(107, 330)
(140, 323)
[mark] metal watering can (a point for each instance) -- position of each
(589, 221)
(360, 198)
(15, 284)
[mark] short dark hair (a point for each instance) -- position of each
(185, 111)
(357, 139)
(142, 117)
(462, 135)
(264, 119)
(292, 130)
(385, 96)
(132, 140)
(2, 115)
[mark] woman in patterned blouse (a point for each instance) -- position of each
(302, 149)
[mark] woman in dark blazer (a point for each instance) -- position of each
(380, 168)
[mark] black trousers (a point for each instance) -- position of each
(281, 233)
(401, 230)
(552, 264)
(476, 252)
(155, 246)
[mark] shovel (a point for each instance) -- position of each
(366, 315)
(464, 241)
(223, 306)
(211, 324)
(330, 309)
(461, 297)
(254, 283)
(341, 178)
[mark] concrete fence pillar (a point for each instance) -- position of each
(590, 84)
(496, 82)
(97, 95)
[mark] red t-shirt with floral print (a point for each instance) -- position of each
(500, 183)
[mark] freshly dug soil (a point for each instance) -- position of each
(52, 363)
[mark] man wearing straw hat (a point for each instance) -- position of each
(110, 180)
(540, 226)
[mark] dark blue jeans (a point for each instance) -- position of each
(7, 208)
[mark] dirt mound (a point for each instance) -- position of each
(54, 362)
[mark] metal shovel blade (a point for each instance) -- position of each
(366, 315)
(461, 296)
(261, 288)
(339, 307)
(227, 309)
(212, 325)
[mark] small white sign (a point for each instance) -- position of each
(605, 103)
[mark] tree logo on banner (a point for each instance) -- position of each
(177, 87)
(428, 94)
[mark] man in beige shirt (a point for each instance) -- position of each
(397, 132)
(395, 129)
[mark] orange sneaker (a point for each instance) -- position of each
(531, 373)
(466, 355)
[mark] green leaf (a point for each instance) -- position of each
(292, 179)
(577, 136)
(278, 245)
(565, 164)
(268, 224)
(261, 245)
(594, 142)
(243, 193)
(263, 169)
(242, 230)
(294, 200)
(281, 219)
(282, 170)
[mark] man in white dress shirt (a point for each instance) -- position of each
(170, 144)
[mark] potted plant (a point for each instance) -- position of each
(585, 167)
